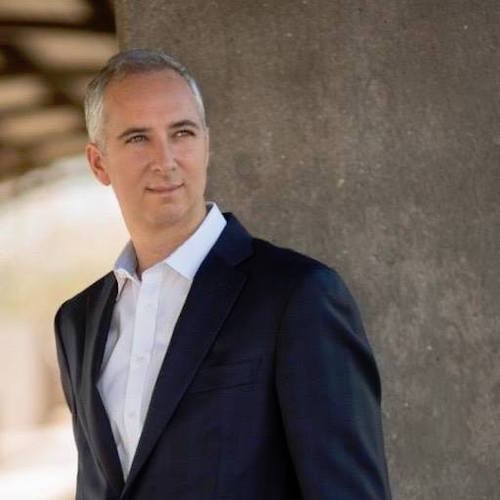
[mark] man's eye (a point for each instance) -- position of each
(136, 138)
(183, 133)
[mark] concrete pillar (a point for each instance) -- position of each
(366, 134)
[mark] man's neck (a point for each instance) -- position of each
(155, 246)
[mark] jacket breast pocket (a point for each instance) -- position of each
(225, 376)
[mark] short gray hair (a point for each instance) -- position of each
(134, 61)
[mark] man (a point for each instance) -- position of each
(209, 364)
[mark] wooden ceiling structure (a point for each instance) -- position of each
(49, 51)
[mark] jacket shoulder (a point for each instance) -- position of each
(281, 261)
(77, 304)
(291, 271)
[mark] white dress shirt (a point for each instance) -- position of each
(142, 324)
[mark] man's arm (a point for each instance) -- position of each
(84, 452)
(63, 363)
(329, 393)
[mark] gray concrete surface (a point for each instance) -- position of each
(367, 135)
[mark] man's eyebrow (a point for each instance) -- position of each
(132, 130)
(184, 123)
(142, 130)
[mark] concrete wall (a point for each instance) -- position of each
(367, 135)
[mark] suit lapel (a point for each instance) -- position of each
(214, 290)
(99, 311)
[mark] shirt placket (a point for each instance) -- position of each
(140, 354)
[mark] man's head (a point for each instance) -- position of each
(149, 140)
(121, 65)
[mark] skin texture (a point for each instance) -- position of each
(154, 152)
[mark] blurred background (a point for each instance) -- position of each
(52, 212)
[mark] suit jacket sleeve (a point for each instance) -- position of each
(329, 393)
(61, 320)
(63, 363)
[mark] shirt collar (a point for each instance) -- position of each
(125, 266)
(185, 259)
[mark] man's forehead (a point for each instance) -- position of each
(136, 89)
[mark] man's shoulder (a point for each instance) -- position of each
(302, 280)
(287, 263)
(77, 304)
(276, 266)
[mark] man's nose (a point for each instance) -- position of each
(164, 155)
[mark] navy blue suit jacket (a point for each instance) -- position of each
(268, 390)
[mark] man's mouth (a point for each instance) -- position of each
(164, 188)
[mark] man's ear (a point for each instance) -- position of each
(207, 152)
(95, 159)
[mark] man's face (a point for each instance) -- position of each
(154, 152)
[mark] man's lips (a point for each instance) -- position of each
(164, 189)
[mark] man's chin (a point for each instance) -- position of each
(181, 216)
(175, 217)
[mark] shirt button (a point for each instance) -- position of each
(132, 415)
(140, 359)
